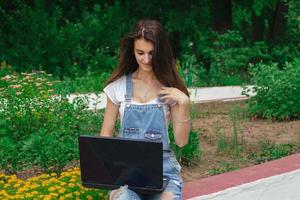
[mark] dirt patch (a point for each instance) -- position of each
(212, 119)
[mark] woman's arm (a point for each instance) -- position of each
(180, 114)
(110, 117)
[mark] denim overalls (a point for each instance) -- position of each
(148, 122)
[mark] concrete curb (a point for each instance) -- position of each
(273, 180)
(197, 95)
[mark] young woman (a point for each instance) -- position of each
(147, 92)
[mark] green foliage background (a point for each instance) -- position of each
(72, 39)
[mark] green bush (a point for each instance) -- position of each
(38, 126)
(271, 151)
(190, 151)
(277, 91)
(9, 156)
(90, 82)
(191, 71)
(229, 55)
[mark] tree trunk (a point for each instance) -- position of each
(221, 15)
(175, 43)
(279, 22)
(258, 27)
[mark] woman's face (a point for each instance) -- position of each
(143, 51)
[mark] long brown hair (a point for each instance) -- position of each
(163, 63)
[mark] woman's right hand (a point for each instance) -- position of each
(110, 118)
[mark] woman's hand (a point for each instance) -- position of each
(174, 94)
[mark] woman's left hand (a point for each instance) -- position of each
(174, 94)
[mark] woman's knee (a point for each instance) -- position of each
(166, 195)
(123, 193)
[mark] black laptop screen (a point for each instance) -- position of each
(112, 162)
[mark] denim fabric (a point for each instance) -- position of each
(148, 122)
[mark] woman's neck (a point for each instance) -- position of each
(144, 75)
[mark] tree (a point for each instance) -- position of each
(221, 15)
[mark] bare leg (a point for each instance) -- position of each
(166, 195)
(123, 193)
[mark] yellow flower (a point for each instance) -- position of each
(45, 183)
(16, 185)
(14, 177)
(51, 189)
(3, 192)
(29, 195)
(48, 197)
(17, 196)
(62, 190)
(61, 198)
(33, 179)
(44, 176)
(33, 186)
(77, 193)
(71, 185)
(34, 192)
(69, 195)
(55, 194)
(63, 184)
(73, 179)
(22, 190)
(53, 181)
(89, 197)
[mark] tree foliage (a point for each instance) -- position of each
(71, 38)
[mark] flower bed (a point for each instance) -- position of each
(45, 186)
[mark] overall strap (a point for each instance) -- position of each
(128, 94)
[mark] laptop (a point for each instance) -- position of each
(111, 162)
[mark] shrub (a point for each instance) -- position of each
(277, 91)
(192, 72)
(271, 151)
(190, 151)
(229, 55)
(38, 127)
(90, 82)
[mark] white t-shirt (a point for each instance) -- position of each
(116, 91)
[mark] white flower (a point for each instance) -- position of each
(6, 78)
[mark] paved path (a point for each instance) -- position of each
(197, 95)
(273, 180)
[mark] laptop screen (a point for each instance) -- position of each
(109, 163)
